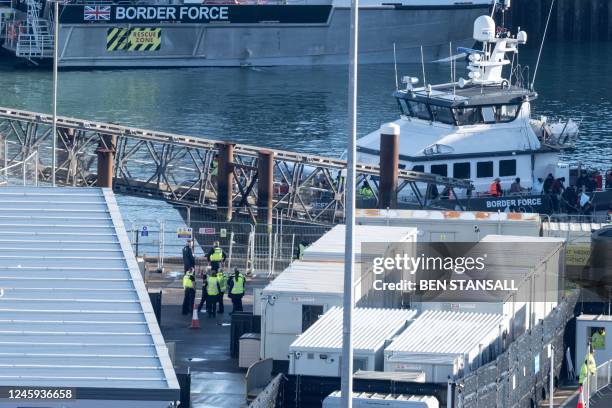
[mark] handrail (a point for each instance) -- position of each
(202, 143)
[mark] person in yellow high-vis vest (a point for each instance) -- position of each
(598, 339)
(222, 279)
(236, 286)
(215, 256)
(211, 286)
(190, 291)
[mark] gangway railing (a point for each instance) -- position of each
(183, 169)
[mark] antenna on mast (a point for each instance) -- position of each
(535, 72)
(395, 67)
(423, 65)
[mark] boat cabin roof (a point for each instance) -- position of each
(471, 95)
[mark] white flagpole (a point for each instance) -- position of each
(349, 206)
(55, 63)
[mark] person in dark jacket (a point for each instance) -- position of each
(188, 256)
(548, 182)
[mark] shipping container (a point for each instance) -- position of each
(366, 400)
(533, 267)
(318, 350)
(444, 344)
(453, 226)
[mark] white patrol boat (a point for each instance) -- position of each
(480, 128)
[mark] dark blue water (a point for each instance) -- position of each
(304, 108)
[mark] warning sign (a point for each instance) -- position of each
(207, 231)
(133, 39)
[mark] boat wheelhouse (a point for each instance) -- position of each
(479, 128)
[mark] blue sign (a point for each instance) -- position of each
(144, 232)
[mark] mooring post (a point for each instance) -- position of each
(106, 155)
(389, 164)
(225, 180)
(265, 186)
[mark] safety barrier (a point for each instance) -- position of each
(519, 376)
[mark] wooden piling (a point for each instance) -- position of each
(265, 186)
(225, 180)
(106, 155)
(389, 165)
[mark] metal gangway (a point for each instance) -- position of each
(196, 172)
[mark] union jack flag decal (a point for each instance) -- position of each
(96, 13)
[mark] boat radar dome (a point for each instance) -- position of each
(484, 29)
(521, 36)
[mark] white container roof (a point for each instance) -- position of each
(311, 277)
(512, 252)
(371, 327)
(444, 333)
(74, 310)
(379, 215)
(424, 400)
(330, 247)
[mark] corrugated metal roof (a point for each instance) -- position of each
(395, 376)
(330, 247)
(311, 277)
(511, 252)
(427, 399)
(75, 311)
(446, 332)
(445, 215)
(371, 327)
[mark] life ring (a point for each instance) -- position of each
(505, 84)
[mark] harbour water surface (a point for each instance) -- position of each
(304, 108)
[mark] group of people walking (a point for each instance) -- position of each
(215, 283)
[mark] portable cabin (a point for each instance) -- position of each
(444, 344)
(453, 226)
(532, 267)
(586, 328)
(317, 351)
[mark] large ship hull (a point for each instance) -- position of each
(275, 43)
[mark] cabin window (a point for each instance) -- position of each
(484, 169)
(507, 168)
(403, 106)
(507, 113)
(439, 169)
(419, 110)
(461, 170)
(488, 114)
(419, 167)
(467, 116)
(442, 114)
(310, 314)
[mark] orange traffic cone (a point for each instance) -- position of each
(580, 401)
(195, 321)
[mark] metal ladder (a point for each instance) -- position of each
(36, 39)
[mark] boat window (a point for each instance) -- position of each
(419, 168)
(403, 106)
(488, 114)
(461, 170)
(507, 113)
(439, 169)
(442, 114)
(419, 110)
(484, 169)
(467, 116)
(507, 168)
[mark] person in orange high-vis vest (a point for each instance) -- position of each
(495, 188)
